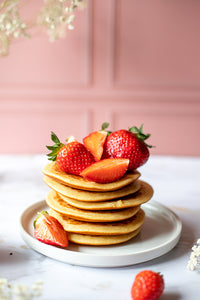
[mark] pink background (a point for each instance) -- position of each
(127, 62)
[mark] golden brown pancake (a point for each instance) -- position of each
(91, 228)
(89, 195)
(139, 197)
(79, 182)
(101, 240)
(56, 203)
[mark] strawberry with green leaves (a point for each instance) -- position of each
(72, 157)
(48, 230)
(129, 144)
(148, 285)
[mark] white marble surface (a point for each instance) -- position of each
(176, 182)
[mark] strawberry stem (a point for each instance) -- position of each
(140, 134)
(54, 148)
(104, 126)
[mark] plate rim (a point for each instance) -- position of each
(103, 259)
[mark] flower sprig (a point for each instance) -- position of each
(194, 261)
(55, 17)
(11, 25)
(58, 16)
(9, 291)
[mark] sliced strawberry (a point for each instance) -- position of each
(94, 142)
(48, 230)
(106, 170)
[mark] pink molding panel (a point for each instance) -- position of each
(126, 62)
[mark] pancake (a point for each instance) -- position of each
(89, 195)
(56, 203)
(100, 240)
(139, 197)
(106, 228)
(79, 182)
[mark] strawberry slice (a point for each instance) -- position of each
(94, 142)
(106, 170)
(48, 230)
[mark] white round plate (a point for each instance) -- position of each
(159, 234)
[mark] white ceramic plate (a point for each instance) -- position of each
(159, 234)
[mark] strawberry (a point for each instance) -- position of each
(48, 230)
(106, 170)
(72, 158)
(94, 142)
(148, 285)
(128, 144)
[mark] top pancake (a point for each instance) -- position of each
(79, 182)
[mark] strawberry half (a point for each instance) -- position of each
(106, 170)
(48, 230)
(128, 144)
(148, 285)
(72, 158)
(94, 142)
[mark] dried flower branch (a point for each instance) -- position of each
(58, 16)
(11, 25)
(55, 17)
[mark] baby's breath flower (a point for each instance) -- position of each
(194, 261)
(18, 291)
(11, 25)
(56, 16)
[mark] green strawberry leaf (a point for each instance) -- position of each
(104, 126)
(54, 138)
(140, 134)
(54, 148)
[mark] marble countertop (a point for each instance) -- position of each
(176, 185)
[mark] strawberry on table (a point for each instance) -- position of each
(106, 170)
(148, 285)
(48, 230)
(72, 157)
(128, 144)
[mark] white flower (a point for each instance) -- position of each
(11, 25)
(55, 17)
(10, 291)
(194, 261)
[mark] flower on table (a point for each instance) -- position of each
(194, 260)
(10, 291)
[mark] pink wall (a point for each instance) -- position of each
(127, 62)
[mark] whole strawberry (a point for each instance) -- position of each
(148, 285)
(129, 144)
(72, 158)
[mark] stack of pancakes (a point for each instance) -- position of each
(94, 213)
